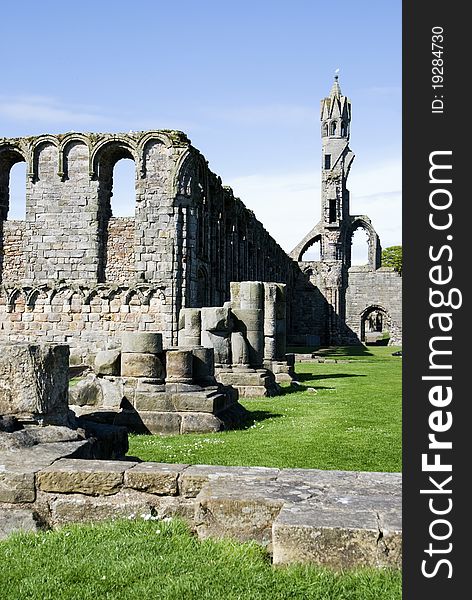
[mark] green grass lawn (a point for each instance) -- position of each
(351, 420)
(163, 561)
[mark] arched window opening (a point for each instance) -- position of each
(343, 129)
(123, 188)
(333, 127)
(117, 200)
(325, 130)
(360, 247)
(375, 325)
(313, 252)
(17, 192)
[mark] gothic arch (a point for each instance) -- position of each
(39, 143)
(190, 169)
(373, 241)
(367, 312)
(10, 155)
(67, 141)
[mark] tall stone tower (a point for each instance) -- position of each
(336, 299)
(337, 158)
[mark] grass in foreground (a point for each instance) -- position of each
(152, 559)
(350, 421)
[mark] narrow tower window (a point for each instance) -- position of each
(343, 129)
(325, 130)
(332, 211)
(333, 128)
(327, 161)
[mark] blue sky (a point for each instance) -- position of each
(242, 79)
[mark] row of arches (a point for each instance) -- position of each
(123, 190)
(335, 128)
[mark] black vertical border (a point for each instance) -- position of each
(423, 133)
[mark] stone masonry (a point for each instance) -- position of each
(74, 273)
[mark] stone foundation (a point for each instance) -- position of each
(333, 518)
(150, 390)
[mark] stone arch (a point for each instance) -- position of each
(373, 241)
(74, 163)
(44, 148)
(104, 158)
(9, 156)
(189, 170)
(382, 324)
(316, 239)
(145, 142)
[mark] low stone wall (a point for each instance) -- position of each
(334, 518)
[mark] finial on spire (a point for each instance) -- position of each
(336, 89)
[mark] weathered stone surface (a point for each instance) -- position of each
(141, 342)
(17, 519)
(107, 362)
(165, 423)
(135, 364)
(86, 392)
(216, 318)
(34, 381)
(31, 436)
(179, 366)
(90, 477)
(203, 365)
(75, 508)
(196, 476)
(154, 478)
(206, 402)
(18, 466)
(16, 485)
(341, 534)
(190, 327)
(153, 400)
(194, 422)
(251, 295)
(244, 510)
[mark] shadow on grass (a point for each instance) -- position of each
(253, 417)
(344, 351)
(333, 351)
(315, 377)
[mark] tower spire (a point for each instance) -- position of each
(336, 89)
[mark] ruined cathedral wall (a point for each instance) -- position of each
(70, 248)
(368, 289)
(222, 240)
(73, 272)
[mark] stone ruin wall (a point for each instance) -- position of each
(72, 272)
(369, 289)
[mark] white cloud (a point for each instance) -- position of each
(47, 110)
(288, 204)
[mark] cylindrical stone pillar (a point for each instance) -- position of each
(203, 365)
(252, 294)
(141, 342)
(190, 327)
(252, 320)
(179, 366)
